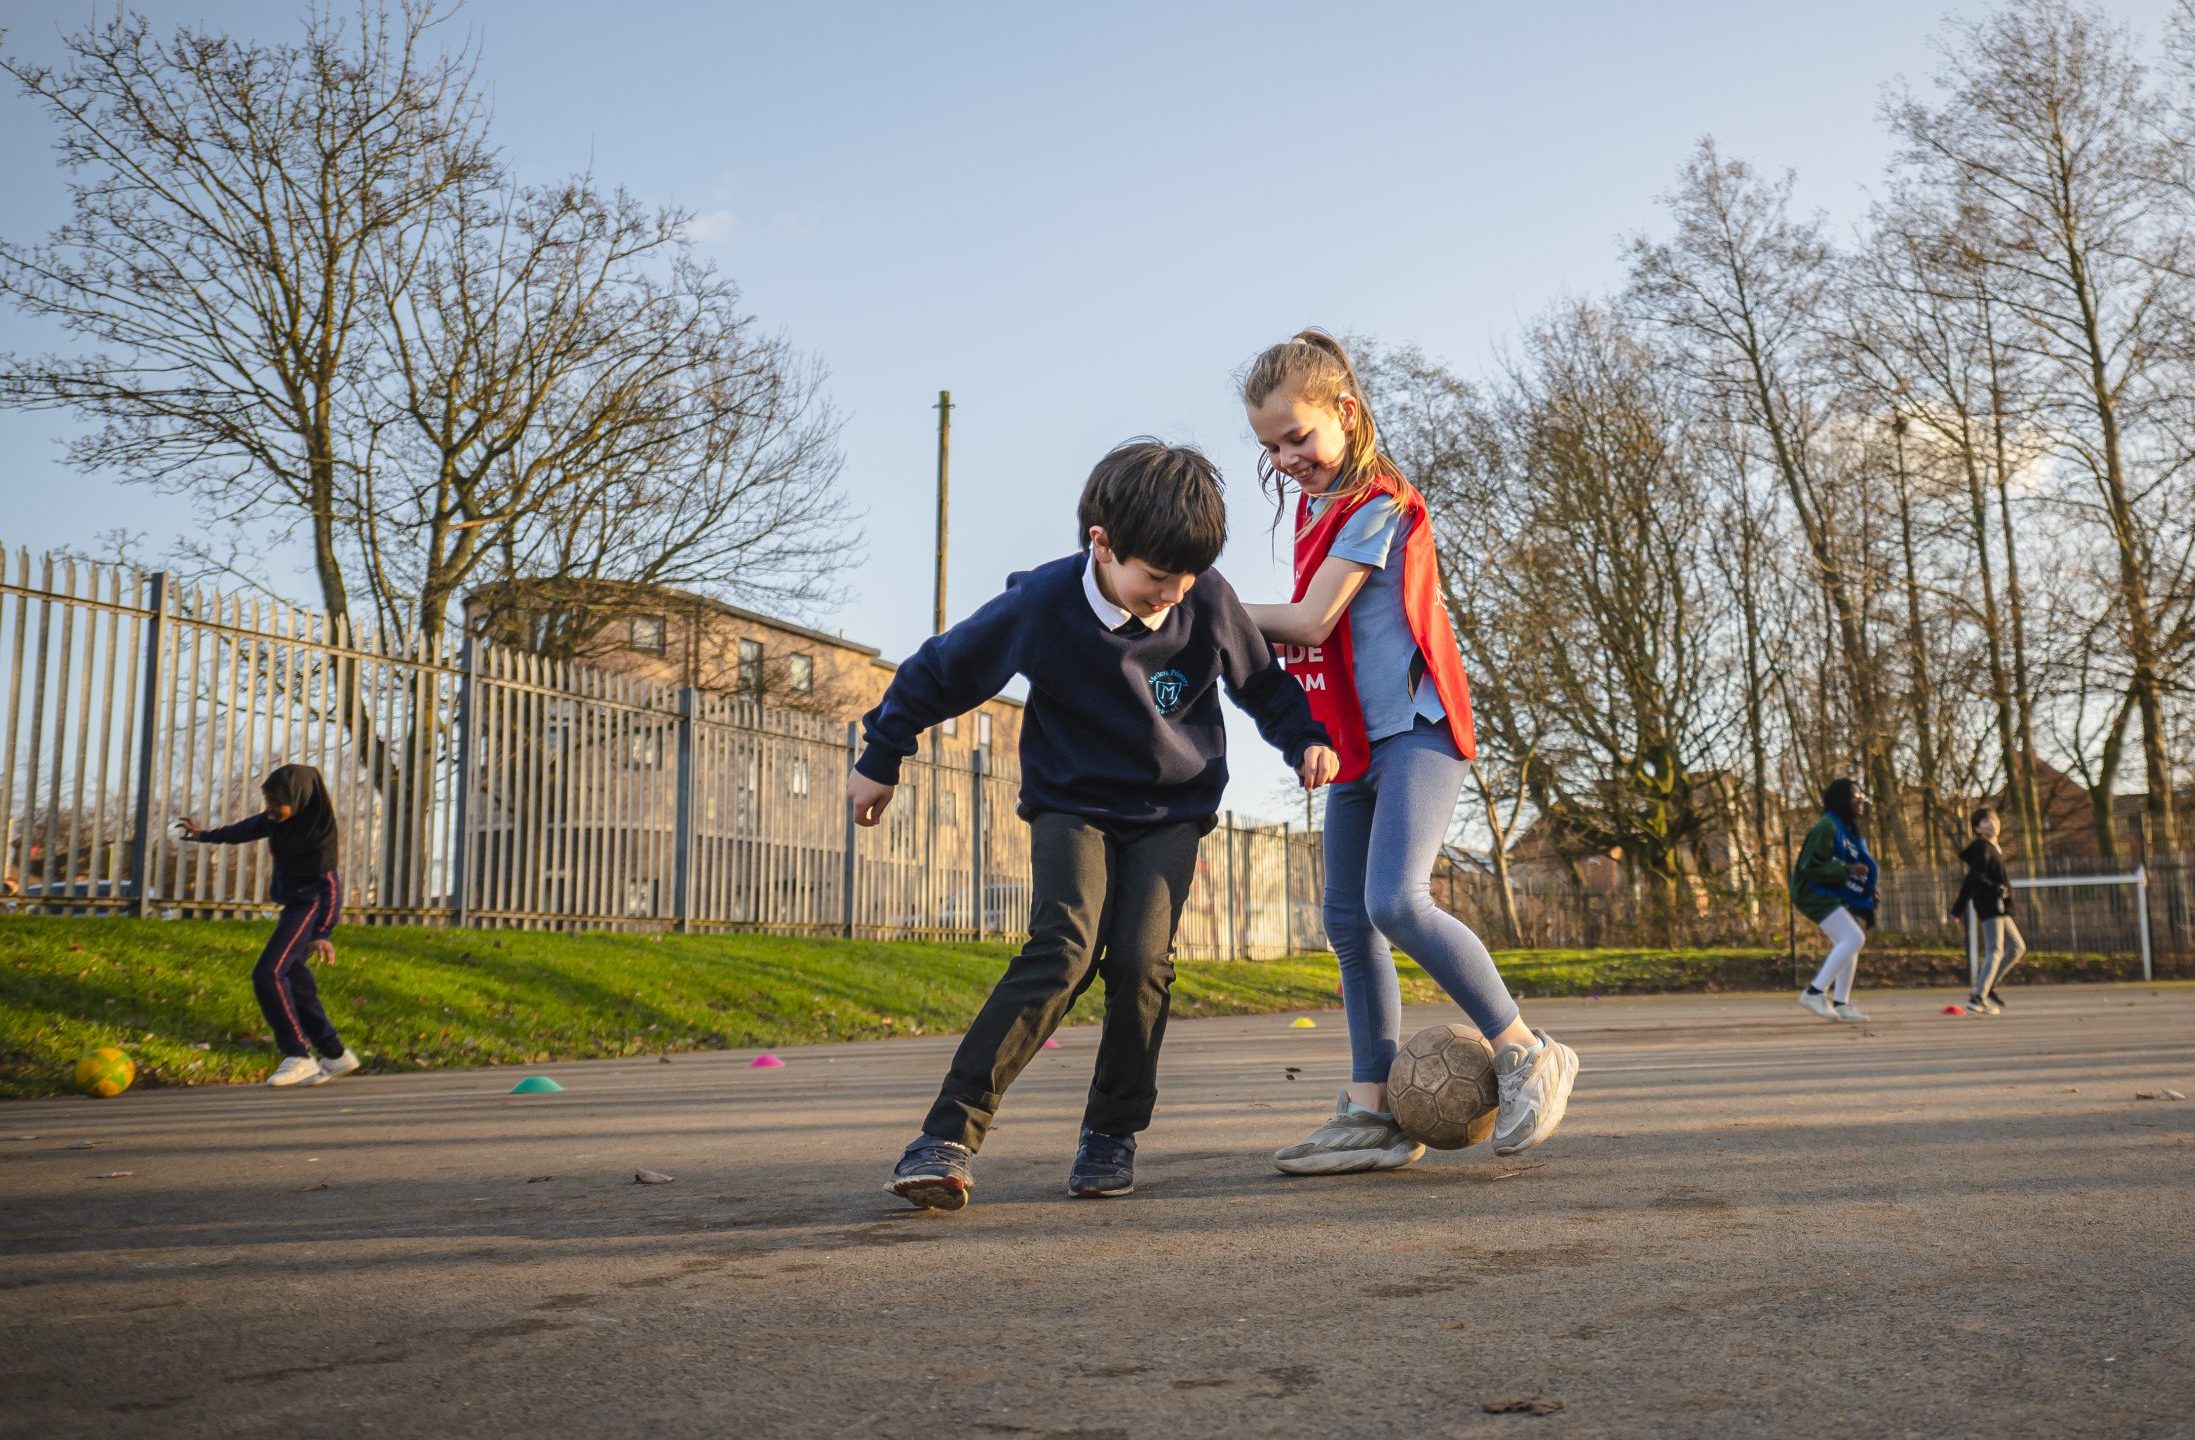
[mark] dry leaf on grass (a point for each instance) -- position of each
(650, 1177)
(1523, 1405)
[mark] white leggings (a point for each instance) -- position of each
(1845, 939)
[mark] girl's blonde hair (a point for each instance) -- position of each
(1315, 363)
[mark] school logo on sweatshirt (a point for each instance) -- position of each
(1166, 690)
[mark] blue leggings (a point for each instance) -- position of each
(1382, 834)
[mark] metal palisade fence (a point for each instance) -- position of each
(480, 786)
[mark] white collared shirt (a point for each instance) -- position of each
(1111, 616)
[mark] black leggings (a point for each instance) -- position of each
(287, 995)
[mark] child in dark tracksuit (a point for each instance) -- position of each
(1126, 645)
(1985, 900)
(299, 827)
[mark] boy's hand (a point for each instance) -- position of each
(187, 826)
(1856, 871)
(868, 797)
(1320, 765)
(324, 951)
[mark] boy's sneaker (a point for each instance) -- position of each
(1818, 1003)
(342, 1064)
(1353, 1139)
(933, 1174)
(1996, 1006)
(1535, 1091)
(295, 1070)
(1850, 1014)
(1975, 1005)
(1105, 1166)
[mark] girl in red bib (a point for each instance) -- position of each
(1368, 637)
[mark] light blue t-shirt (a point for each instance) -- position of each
(1383, 653)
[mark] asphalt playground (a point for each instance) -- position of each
(1753, 1223)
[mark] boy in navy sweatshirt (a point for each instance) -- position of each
(1125, 645)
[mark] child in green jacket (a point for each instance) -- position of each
(1833, 885)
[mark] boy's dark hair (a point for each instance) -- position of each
(1161, 504)
(1981, 813)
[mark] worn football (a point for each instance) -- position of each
(1441, 1087)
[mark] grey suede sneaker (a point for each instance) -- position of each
(1352, 1139)
(934, 1174)
(1535, 1091)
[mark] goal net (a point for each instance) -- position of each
(2102, 915)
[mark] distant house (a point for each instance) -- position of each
(674, 637)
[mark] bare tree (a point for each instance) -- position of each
(2049, 134)
(1743, 288)
(226, 197)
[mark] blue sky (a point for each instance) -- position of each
(1083, 220)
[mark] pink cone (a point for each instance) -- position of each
(765, 1062)
(1051, 1042)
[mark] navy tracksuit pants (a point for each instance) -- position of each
(287, 995)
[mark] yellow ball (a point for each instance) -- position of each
(105, 1073)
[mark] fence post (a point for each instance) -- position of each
(682, 836)
(460, 881)
(2141, 907)
(1231, 947)
(846, 878)
(975, 832)
(156, 636)
(1287, 891)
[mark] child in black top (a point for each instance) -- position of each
(299, 827)
(1126, 645)
(1985, 899)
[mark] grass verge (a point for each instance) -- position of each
(177, 995)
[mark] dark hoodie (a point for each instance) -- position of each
(1986, 886)
(304, 846)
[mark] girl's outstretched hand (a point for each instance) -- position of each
(868, 797)
(1320, 765)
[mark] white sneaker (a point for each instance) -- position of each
(294, 1070)
(1535, 1090)
(342, 1064)
(1818, 1003)
(1849, 1015)
(1353, 1139)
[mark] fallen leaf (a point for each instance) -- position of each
(1523, 1405)
(1521, 1169)
(22, 1137)
(537, 1179)
(2174, 1095)
(83, 1144)
(115, 1175)
(1293, 1069)
(650, 1177)
(2148, 1095)
(308, 1189)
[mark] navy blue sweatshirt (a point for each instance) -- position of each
(1117, 727)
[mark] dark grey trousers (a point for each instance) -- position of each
(1107, 897)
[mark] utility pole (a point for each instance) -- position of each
(944, 453)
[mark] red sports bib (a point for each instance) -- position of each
(1326, 671)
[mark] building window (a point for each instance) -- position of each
(983, 728)
(951, 726)
(750, 669)
(800, 673)
(648, 634)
